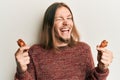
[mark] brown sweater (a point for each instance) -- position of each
(69, 63)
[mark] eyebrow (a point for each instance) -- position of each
(69, 15)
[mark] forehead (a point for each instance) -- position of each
(62, 11)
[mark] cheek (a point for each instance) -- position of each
(56, 30)
(71, 23)
(56, 27)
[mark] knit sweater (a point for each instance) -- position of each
(68, 63)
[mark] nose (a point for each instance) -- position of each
(65, 22)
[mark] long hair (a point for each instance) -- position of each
(47, 36)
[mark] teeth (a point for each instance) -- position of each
(65, 29)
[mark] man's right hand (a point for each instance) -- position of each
(22, 59)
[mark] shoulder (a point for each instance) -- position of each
(83, 44)
(36, 48)
(83, 48)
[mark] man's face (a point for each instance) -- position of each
(63, 23)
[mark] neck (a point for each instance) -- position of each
(60, 44)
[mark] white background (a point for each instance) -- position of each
(95, 20)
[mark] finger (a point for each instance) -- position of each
(105, 54)
(101, 49)
(25, 54)
(108, 53)
(19, 56)
(106, 60)
(24, 48)
(27, 60)
(23, 60)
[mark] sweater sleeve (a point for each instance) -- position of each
(94, 73)
(29, 74)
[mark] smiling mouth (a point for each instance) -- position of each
(64, 30)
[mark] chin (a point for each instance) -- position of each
(65, 37)
(65, 40)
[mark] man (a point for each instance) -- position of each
(60, 55)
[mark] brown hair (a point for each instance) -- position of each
(47, 39)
